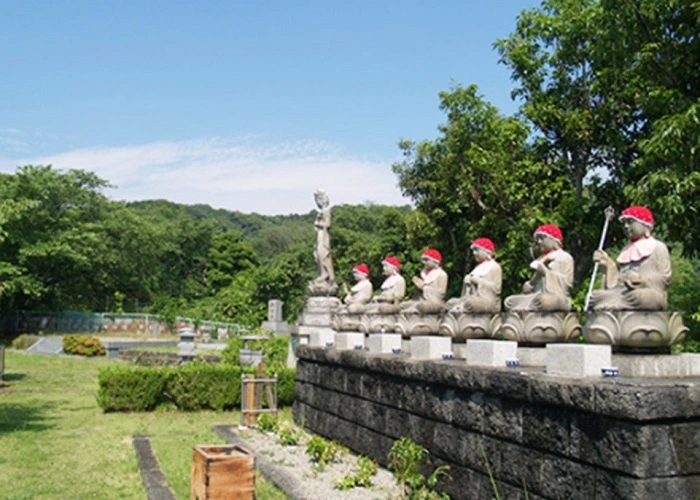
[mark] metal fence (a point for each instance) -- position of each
(16, 322)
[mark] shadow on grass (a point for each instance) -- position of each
(11, 377)
(24, 417)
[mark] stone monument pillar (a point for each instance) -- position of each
(275, 323)
(315, 319)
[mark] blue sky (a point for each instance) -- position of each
(247, 106)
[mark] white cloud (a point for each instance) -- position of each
(237, 174)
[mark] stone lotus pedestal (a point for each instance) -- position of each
(533, 328)
(463, 326)
(644, 330)
(377, 323)
(410, 324)
(346, 322)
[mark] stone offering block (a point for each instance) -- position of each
(493, 353)
(578, 360)
(322, 338)
(429, 347)
(349, 340)
(220, 472)
(383, 343)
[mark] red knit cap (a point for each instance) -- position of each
(361, 268)
(552, 231)
(638, 213)
(484, 243)
(432, 254)
(392, 261)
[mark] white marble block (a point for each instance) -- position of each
(322, 338)
(384, 343)
(350, 340)
(430, 347)
(578, 360)
(494, 353)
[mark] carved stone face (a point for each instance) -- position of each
(634, 229)
(480, 254)
(545, 244)
(358, 276)
(428, 263)
(388, 269)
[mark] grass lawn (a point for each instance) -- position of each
(55, 442)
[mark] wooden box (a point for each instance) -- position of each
(222, 471)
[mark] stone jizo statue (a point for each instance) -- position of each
(394, 286)
(640, 277)
(393, 289)
(481, 291)
(549, 287)
(361, 293)
(432, 285)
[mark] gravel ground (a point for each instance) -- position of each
(312, 483)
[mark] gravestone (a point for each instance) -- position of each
(275, 322)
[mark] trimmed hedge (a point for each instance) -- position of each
(126, 388)
(200, 386)
(190, 387)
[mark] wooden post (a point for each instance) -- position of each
(249, 417)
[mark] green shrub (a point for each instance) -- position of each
(288, 435)
(83, 345)
(199, 386)
(286, 379)
(267, 423)
(362, 477)
(25, 341)
(322, 452)
(405, 458)
(128, 388)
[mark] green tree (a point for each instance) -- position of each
(480, 177)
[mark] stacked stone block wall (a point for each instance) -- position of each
(553, 438)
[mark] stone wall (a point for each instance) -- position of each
(552, 437)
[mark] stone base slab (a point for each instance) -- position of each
(658, 365)
(532, 356)
(383, 343)
(578, 360)
(493, 353)
(429, 347)
(349, 340)
(322, 338)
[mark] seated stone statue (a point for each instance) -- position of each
(639, 279)
(432, 285)
(393, 288)
(481, 291)
(361, 293)
(549, 287)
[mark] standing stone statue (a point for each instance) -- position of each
(549, 287)
(324, 284)
(639, 279)
(481, 291)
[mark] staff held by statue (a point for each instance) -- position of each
(609, 214)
